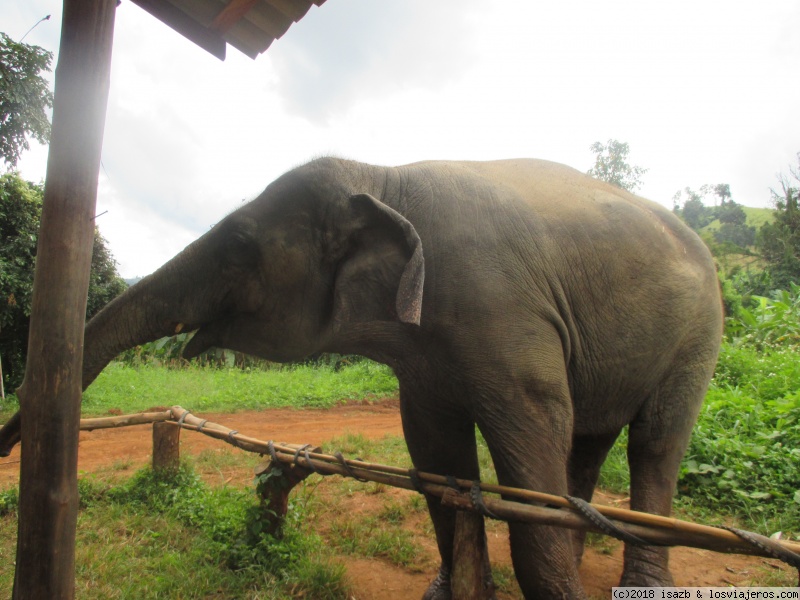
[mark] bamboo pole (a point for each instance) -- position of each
(125, 420)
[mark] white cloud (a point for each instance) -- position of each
(359, 49)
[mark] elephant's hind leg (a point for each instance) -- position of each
(657, 442)
(441, 440)
(586, 457)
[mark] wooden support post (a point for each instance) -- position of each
(275, 482)
(166, 447)
(50, 395)
(469, 579)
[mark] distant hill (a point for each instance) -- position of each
(749, 258)
(756, 217)
(133, 280)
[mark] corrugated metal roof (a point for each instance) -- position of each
(248, 25)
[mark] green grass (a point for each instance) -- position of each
(126, 389)
(175, 537)
(370, 538)
(380, 532)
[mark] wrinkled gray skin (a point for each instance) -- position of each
(550, 309)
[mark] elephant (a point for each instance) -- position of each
(546, 308)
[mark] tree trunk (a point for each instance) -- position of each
(51, 392)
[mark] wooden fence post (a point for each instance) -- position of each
(166, 447)
(50, 395)
(468, 579)
(275, 482)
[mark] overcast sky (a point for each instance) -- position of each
(702, 91)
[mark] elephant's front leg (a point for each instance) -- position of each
(441, 440)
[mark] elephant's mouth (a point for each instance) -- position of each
(206, 335)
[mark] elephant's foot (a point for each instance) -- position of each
(646, 567)
(440, 589)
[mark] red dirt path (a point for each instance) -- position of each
(374, 579)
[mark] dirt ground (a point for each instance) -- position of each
(130, 448)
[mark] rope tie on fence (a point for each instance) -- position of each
(276, 464)
(413, 475)
(476, 496)
(185, 414)
(308, 459)
(232, 438)
(768, 546)
(201, 425)
(453, 483)
(297, 454)
(604, 524)
(347, 467)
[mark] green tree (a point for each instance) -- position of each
(694, 212)
(779, 241)
(733, 226)
(611, 165)
(731, 213)
(739, 235)
(721, 191)
(20, 213)
(25, 97)
(733, 232)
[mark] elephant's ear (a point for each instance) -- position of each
(380, 269)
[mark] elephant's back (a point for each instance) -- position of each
(557, 208)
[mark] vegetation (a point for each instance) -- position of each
(728, 228)
(25, 97)
(157, 536)
(746, 448)
(207, 389)
(779, 241)
(758, 250)
(20, 213)
(611, 165)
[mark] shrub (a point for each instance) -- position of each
(770, 321)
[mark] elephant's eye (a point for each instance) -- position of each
(239, 244)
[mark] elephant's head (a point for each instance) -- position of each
(313, 264)
(310, 265)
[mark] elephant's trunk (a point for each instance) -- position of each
(163, 304)
(137, 316)
(160, 305)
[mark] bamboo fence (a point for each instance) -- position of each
(514, 504)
